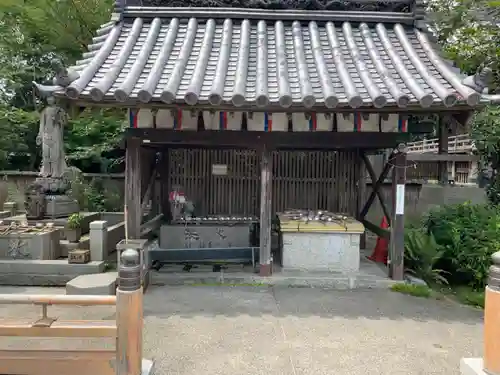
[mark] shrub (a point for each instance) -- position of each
(95, 196)
(468, 235)
(422, 256)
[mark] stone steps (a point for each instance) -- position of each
(307, 280)
(45, 272)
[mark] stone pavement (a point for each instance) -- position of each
(193, 330)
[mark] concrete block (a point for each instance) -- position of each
(31, 244)
(98, 225)
(49, 267)
(16, 279)
(98, 240)
(100, 284)
(472, 366)
(334, 252)
(60, 206)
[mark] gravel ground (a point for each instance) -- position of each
(192, 330)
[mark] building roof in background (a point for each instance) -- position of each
(269, 59)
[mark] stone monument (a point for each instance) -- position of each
(46, 197)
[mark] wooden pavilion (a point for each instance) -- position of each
(334, 80)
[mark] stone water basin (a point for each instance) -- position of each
(29, 242)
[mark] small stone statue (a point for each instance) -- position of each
(50, 137)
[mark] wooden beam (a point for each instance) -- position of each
(43, 299)
(413, 109)
(149, 190)
(376, 188)
(64, 362)
(397, 244)
(133, 187)
(272, 140)
(384, 233)
(148, 165)
(265, 212)
(164, 170)
(60, 328)
(361, 185)
(151, 225)
(443, 150)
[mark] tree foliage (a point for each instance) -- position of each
(469, 32)
(32, 34)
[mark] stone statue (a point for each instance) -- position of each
(50, 137)
(47, 197)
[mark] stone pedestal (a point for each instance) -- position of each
(30, 244)
(57, 206)
(98, 240)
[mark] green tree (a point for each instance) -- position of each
(32, 34)
(469, 34)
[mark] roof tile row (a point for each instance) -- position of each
(266, 63)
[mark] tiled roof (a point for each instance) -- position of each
(266, 63)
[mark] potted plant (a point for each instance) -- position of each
(74, 228)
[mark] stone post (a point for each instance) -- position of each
(490, 363)
(141, 246)
(129, 315)
(98, 240)
(492, 319)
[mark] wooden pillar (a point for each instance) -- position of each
(397, 245)
(265, 212)
(164, 170)
(133, 177)
(492, 319)
(361, 181)
(148, 179)
(129, 315)
(442, 150)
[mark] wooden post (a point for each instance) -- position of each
(492, 319)
(164, 170)
(397, 246)
(129, 315)
(133, 194)
(442, 150)
(265, 213)
(361, 181)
